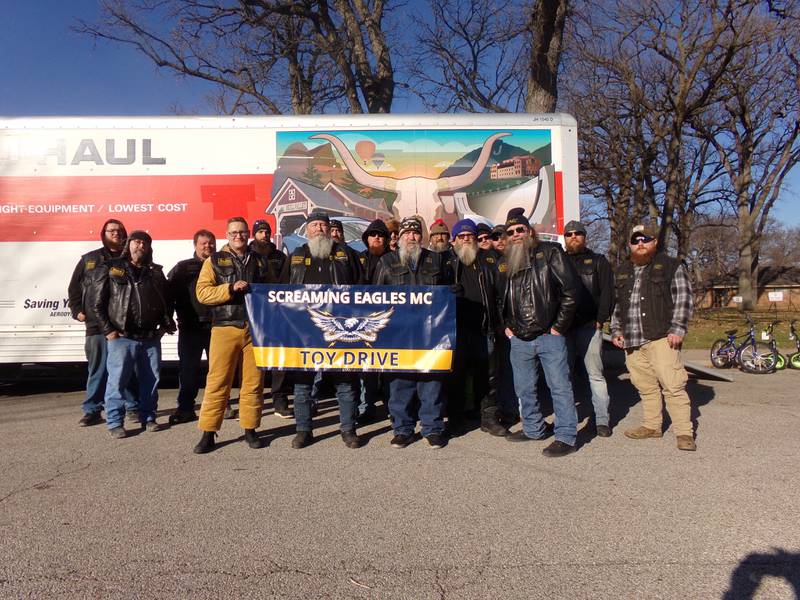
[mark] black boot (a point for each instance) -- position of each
(206, 443)
(491, 424)
(252, 439)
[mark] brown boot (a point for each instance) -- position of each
(641, 433)
(686, 442)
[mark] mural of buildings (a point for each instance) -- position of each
(517, 166)
(295, 200)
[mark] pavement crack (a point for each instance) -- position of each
(45, 483)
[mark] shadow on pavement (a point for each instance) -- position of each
(747, 577)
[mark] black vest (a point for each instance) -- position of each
(341, 269)
(655, 292)
(229, 269)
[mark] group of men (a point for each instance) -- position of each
(523, 305)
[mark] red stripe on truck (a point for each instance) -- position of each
(169, 207)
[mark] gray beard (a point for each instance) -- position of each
(409, 255)
(467, 253)
(439, 246)
(320, 247)
(518, 255)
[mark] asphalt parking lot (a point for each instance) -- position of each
(86, 516)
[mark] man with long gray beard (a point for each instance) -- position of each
(538, 291)
(321, 260)
(474, 360)
(411, 264)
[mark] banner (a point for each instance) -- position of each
(352, 327)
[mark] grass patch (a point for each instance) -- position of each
(710, 325)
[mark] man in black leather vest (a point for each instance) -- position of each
(411, 264)
(654, 305)
(595, 306)
(194, 325)
(223, 282)
(323, 261)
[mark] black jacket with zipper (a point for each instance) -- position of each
(487, 275)
(541, 296)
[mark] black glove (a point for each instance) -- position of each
(457, 289)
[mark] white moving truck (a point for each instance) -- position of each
(61, 178)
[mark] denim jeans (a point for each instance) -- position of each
(345, 384)
(191, 343)
(96, 351)
(370, 392)
(586, 342)
(551, 352)
(502, 376)
(431, 403)
(127, 357)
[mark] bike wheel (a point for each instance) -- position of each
(757, 358)
(780, 362)
(721, 354)
(794, 360)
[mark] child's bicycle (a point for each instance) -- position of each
(768, 335)
(794, 358)
(752, 356)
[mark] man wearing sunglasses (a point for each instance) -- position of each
(538, 290)
(654, 305)
(595, 305)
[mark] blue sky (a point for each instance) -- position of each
(47, 69)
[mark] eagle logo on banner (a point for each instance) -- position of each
(350, 329)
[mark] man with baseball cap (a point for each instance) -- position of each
(321, 260)
(538, 296)
(595, 306)
(654, 305)
(411, 264)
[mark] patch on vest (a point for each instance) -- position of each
(540, 255)
(489, 260)
(587, 261)
(296, 260)
(502, 267)
(658, 266)
(307, 262)
(363, 260)
(429, 259)
(225, 262)
(116, 271)
(90, 264)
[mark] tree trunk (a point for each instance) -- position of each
(748, 266)
(546, 29)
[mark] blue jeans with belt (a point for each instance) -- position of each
(127, 357)
(551, 352)
(585, 343)
(402, 407)
(95, 348)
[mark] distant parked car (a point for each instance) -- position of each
(354, 227)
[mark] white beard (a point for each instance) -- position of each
(518, 255)
(467, 253)
(320, 247)
(439, 246)
(409, 252)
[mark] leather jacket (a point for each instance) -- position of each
(343, 269)
(542, 295)
(432, 269)
(182, 285)
(596, 300)
(137, 307)
(80, 288)
(487, 276)
(275, 257)
(215, 284)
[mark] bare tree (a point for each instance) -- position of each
(271, 57)
(481, 56)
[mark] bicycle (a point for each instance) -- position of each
(794, 358)
(751, 356)
(768, 335)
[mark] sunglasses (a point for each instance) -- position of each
(516, 230)
(641, 239)
(569, 234)
(465, 236)
(483, 237)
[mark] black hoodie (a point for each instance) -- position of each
(79, 283)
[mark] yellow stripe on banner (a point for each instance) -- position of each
(354, 359)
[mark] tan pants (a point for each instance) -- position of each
(229, 347)
(656, 368)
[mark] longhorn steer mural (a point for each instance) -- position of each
(415, 195)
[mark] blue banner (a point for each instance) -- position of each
(352, 327)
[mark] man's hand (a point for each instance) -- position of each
(240, 286)
(112, 336)
(674, 340)
(81, 317)
(598, 324)
(509, 333)
(618, 341)
(553, 331)
(457, 289)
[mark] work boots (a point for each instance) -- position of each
(206, 443)
(491, 424)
